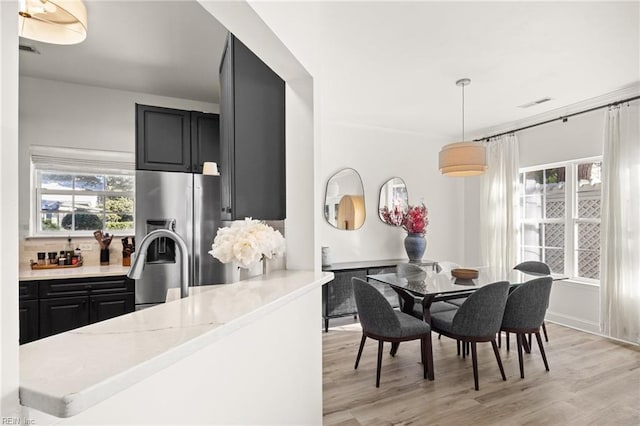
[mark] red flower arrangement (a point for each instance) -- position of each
(414, 220)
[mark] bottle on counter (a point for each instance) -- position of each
(69, 252)
(78, 254)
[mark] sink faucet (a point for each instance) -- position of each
(138, 263)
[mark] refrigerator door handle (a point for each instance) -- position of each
(197, 228)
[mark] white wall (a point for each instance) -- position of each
(378, 155)
(8, 212)
(54, 113)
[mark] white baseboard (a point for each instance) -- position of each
(573, 322)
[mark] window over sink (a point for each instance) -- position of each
(79, 191)
(560, 223)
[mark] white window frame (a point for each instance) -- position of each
(74, 161)
(571, 219)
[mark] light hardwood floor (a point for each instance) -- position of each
(592, 381)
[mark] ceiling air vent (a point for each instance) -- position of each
(29, 49)
(536, 102)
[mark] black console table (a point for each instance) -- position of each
(337, 295)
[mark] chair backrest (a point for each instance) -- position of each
(533, 266)
(375, 312)
(527, 304)
(481, 314)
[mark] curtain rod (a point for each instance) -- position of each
(563, 118)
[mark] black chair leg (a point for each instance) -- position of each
(423, 351)
(519, 339)
(507, 339)
(458, 346)
(380, 344)
(499, 339)
(326, 325)
(360, 351)
(525, 345)
(394, 348)
(497, 353)
(528, 350)
(544, 356)
(544, 330)
(474, 359)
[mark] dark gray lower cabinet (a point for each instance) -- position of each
(29, 321)
(107, 306)
(49, 307)
(337, 295)
(63, 314)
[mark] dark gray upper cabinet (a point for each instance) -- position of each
(174, 140)
(252, 136)
(205, 139)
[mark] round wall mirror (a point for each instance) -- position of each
(344, 200)
(393, 193)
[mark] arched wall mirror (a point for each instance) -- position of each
(393, 193)
(344, 200)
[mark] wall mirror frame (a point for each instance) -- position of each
(344, 206)
(393, 193)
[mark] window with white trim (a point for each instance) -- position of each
(560, 223)
(79, 191)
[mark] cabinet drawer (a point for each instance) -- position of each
(84, 286)
(28, 290)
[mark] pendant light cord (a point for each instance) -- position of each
(463, 113)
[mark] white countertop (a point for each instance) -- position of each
(28, 274)
(67, 373)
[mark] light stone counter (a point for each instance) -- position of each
(65, 374)
(28, 274)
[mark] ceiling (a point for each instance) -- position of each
(384, 64)
(168, 48)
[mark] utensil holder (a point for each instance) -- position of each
(104, 256)
(126, 259)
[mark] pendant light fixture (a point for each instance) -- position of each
(53, 21)
(463, 158)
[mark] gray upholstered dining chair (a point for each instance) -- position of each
(524, 314)
(477, 320)
(382, 323)
(535, 267)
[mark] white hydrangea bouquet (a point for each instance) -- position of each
(246, 242)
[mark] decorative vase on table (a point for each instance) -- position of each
(415, 245)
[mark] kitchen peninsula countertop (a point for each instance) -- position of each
(28, 274)
(65, 374)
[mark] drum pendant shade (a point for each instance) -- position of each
(463, 158)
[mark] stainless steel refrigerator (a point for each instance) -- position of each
(189, 204)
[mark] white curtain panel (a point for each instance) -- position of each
(499, 204)
(620, 225)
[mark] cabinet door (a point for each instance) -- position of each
(107, 306)
(163, 139)
(62, 314)
(259, 138)
(28, 321)
(340, 300)
(205, 139)
(226, 131)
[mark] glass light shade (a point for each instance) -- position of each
(210, 168)
(463, 159)
(56, 22)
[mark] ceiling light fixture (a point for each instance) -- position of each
(53, 21)
(463, 158)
